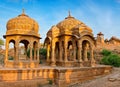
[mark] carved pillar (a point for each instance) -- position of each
(60, 51)
(31, 47)
(26, 46)
(6, 52)
(79, 54)
(35, 52)
(48, 52)
(85, 53)
(92, 57)
(91, 53)
(53, 54)
(65, 48)
(74, 51)
(17, 50)
(14, 51)
(38, 52)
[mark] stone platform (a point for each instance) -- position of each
(61, 76)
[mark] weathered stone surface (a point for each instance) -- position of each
(61, 76)
(70, 43)
(22, 29)
(70, 46)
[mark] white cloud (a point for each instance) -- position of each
(99, 18)
(8, 8)
(118, 1)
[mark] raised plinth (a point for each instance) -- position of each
(61, 76)
(76, 63)
(21, 64)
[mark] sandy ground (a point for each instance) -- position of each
(111, 80)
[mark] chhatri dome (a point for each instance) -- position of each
(68, 43)
(70, 22)
(70, 26)
(22, 30)
(22, 24)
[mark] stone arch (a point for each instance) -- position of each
(23, 48)
(85, 50)
(87, 38)
(12, 40)
(47, 40)
(72, 56)
(87, 41)
(84, 33)
(11, 50)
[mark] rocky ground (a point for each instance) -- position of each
(111, 80)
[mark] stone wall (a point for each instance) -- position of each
(61, 76)
(67, 77)
(111, 47)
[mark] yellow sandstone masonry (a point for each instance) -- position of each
(70, 54)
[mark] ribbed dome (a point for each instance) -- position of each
(22, 22)
(69, 23)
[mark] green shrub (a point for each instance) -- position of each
(106, 52)
(88, 55)
(43, 52)
(40, 62)
(110, 59)
(114, 60)
(28, 53)
(50, 81)
(1, 42)
(10, 58)
(105, 61)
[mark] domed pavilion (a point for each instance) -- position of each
(22, 29)
(70, 43)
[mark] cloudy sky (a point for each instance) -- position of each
(100, 15)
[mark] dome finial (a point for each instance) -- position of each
(69, 14)
(23, 11)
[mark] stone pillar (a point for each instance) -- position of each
(79, 54)
(65, 52)
(17, 50)
(6, 52)
(60, 51)
(26, 46)
(38, 52)
(92, 57)
(35, 52)
(48, 53)
(74, 51)
(53, 54)
(85, 53)
(31, 47)
(14, 50)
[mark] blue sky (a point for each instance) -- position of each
(100, 15)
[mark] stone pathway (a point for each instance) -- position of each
(111, 80)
